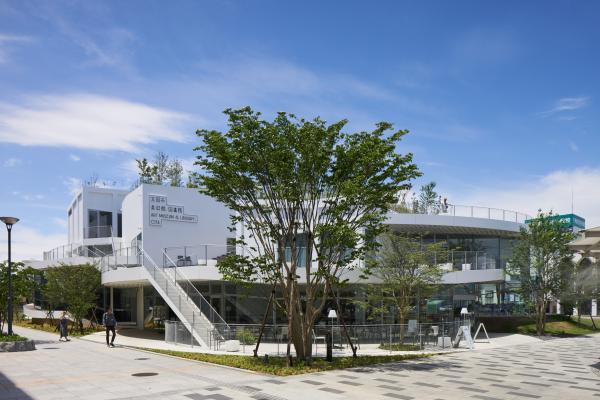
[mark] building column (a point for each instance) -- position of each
(594, 308)
(111, 303)
(140, 307)
(558, 307)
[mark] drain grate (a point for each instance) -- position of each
(142, 374)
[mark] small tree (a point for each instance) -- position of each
(23, 283)
(76, 286)
(541, 261)
(308, 197)
(407, 268)
(429, 202)
(160, 171)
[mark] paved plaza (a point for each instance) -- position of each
(549, 369)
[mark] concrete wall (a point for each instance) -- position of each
(207, 220)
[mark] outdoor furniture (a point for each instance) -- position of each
(316, 341)
(282, 334)
(412, 329)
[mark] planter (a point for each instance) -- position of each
(26, 345)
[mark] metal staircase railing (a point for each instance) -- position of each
(194, 311)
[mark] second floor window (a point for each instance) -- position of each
(99, 224)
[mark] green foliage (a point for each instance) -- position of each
(428, 202)
(245, 336)
(76, 286)
(542, 263)
(161, 171)
(12, 338)
(306, 189)
(23, 282)
(399, 347)
(406, 267)
(277, 365)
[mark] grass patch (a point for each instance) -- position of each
(558, 328)
(54, 329)
(12, 338)
(276, 365)
(399, 347)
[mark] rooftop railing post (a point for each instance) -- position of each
(206, 254)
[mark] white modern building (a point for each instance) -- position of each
(158, 246)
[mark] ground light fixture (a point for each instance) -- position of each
(9, 221)
(332, 315)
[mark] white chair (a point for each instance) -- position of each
(316, 341)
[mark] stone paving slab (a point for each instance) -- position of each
(551, 369)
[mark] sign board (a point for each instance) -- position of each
(466, 332)
(160, 210)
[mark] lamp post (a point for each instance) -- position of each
(332, 315)
(9, 221)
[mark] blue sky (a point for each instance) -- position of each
(501, 98)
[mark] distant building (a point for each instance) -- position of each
(572, 222)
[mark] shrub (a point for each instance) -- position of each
(245, 336)
(12, 338)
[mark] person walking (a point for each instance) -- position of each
(63, 327)
(110, 323)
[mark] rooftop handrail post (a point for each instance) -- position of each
(206, 254)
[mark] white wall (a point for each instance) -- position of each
(210, 226)
(91, 198)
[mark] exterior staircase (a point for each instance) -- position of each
(192, 309)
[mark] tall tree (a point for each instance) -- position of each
(306, 197)
(23, 283)
(407, 269)
(76, 286)
(542, 261)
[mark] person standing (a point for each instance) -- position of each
(63, 327)
(110, 323)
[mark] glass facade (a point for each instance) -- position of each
(495, 250)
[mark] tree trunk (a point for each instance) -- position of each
(401, 319)
(541, 318)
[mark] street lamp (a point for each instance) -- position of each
(332, 314)
(9, 221)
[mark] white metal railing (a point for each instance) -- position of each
(64, 251)
(122, 257)
(204, 254)
(194, 311)
(459, 210)
(100, 231)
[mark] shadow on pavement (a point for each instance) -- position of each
(8, 390)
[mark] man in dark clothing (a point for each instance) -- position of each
(110, 323)
(63, 325)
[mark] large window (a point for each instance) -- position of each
(99, 224)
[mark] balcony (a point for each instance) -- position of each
(458, 210)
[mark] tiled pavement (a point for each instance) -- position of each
(553, 369)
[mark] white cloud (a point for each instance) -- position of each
(88, 122)
(573, 146)
(12, 162)
(60, 222)
(567, 104)
(548, 192)
(8, 41)
(29, 243)
(73, 184)
(74, 157)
